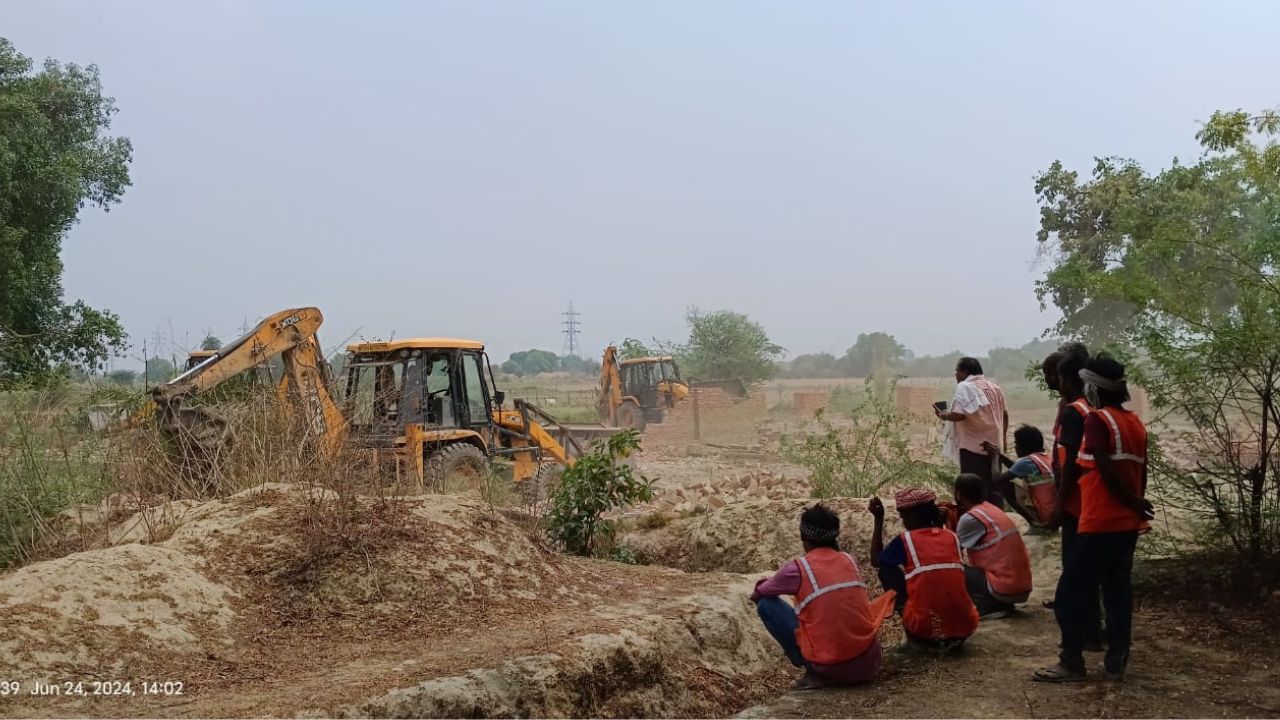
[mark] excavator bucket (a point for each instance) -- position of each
(200, 433)
(733, 388)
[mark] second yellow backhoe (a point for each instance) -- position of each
(636, 392)
(429, 403)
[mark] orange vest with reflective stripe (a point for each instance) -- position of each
(1001, 554)
(837, 622)
(938, 604)
(1042, 490)
(1127, 447)
(1072, 505)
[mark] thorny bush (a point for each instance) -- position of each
(858, 458)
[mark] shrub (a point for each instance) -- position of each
(596, 484)
(871, 453)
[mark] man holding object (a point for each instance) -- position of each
(977, 415)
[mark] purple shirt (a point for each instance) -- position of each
(786, 581)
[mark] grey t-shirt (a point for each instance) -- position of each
(970, 531)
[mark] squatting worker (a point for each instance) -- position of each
(1113, 511)
(998, 573)
(923, 566)
(832, 630)
(976, 416)
(1027, 483)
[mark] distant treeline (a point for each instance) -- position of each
(872, 350)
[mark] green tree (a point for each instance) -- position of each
(631, 349)
(933, 365)
(122, 377)
(211, 342)
(575, 364)
(55, 157)
(1009, 363)
(159, 370)
(531, 362)
(870, 352)
(1180, 267)
(814, 365)
(726, 345)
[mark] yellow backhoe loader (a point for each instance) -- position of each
(428, 402)
(638, 391)
(433, 402)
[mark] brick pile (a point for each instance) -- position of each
(805, 404)
(915, 400)
(724, 420)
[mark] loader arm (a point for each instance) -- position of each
(290, 334)
(609, 396)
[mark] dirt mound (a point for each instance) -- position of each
(102, 609)
(373, 607)
(752, 536)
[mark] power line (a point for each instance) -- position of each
(571, 330)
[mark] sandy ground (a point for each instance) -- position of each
(265, 605)
(440, 606)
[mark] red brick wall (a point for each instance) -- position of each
(805, 404)
(724, 420)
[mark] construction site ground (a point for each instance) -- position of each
(264, 604)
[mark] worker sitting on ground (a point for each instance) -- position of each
(1027, 484)
(832, 631)
(923, 566)
(998, 573)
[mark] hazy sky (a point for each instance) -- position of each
(469, 168)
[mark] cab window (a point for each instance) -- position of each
(477, 400)
(440, 393)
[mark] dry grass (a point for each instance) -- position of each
(63, 489)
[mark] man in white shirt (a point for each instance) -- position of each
(977, 415)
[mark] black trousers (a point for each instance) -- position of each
(980, 464)
(1097, 560)
(1094, 635)
(975, 581)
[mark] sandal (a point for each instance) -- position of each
(809, 681)
(1059, 674)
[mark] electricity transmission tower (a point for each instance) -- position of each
(571, 330)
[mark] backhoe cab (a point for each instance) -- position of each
(198, 356)
(638, 391)
(432, 403)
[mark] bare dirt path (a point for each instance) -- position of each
(1187, 662)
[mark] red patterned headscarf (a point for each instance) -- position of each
(912, 497)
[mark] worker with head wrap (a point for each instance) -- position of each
(831, 631)
(1113, 512)
(924, 567)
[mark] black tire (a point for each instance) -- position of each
(455, 468)
(538, 488)
(630, 415)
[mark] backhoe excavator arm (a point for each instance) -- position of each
(609, 397)
(290, 334)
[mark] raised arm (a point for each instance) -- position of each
(876, 508)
